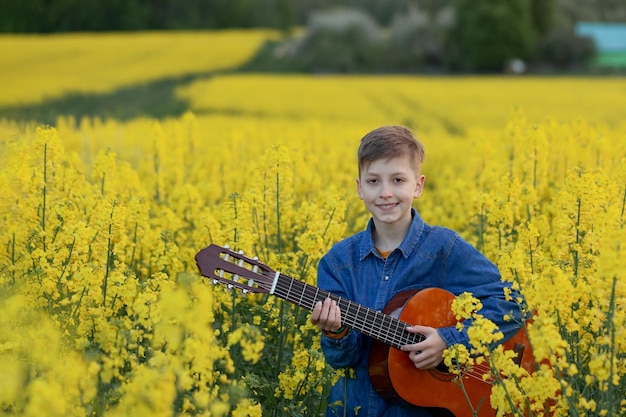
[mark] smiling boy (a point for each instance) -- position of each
(398, 251)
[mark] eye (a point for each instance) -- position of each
(372, 181)
(398, 180)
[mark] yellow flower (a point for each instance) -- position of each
(247, 409)
(457, 358)
(465, 305)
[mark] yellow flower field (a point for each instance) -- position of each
(38, 67)
(102, 309)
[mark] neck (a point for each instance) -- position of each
(387, 237)
(373, 323)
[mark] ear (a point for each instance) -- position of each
(358, 188)
(419, 186)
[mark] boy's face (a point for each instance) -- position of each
(388, 187)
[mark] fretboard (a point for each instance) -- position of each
(370, 322)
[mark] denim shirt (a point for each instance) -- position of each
(428, 257)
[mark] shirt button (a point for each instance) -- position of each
(387, 278)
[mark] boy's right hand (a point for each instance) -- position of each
(327, 315)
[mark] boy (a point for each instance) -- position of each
(397, 252)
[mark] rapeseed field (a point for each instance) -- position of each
(104, 313)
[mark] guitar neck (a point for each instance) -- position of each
(373, 323)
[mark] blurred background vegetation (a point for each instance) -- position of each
(356, 35)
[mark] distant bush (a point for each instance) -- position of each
(489, 34)
(340, 40)
(417, 39)
(563, 48)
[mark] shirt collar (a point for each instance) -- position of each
(408, 244)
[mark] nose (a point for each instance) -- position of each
(385, 190)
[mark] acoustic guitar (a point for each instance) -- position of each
(392, 373)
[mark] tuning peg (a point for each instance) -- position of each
(244, 291)
(255, 269)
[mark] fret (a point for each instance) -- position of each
(367, 310)
(378, 326)
(358, 310)
(315, 300)
(290, 285)
(385, 327)
(302, 294)
(349, 312)
(370, 322)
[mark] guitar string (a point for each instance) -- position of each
(404, 336)
(386, 328)
(476, 371)
(380, 321)
(358, 320)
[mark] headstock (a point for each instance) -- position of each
(234, 269)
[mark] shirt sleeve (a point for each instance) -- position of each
(344, 352)
(468, 270)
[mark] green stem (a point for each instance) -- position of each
(132, 257)
(611, 328)
(499, 381)
(278, 237)
(67, 260)
(623, 208)
(281, 338)
(330, 220)
(13, 258)
(579, 204)
(108, 261)
(45, 180)
(481, 231)
(264, 222)
(233, 312)
(530, 253)
(80, 300)
(535, 168)
(157, 194)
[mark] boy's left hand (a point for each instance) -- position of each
(426, 354)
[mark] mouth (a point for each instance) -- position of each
(387, 207)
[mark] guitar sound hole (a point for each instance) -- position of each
(440, 412)
(442, 373)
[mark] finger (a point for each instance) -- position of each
(424, 361)
(315, 314)
(408, 348)
(322, 311)
(333, 321)
(334, 317)
(326, 313)
(423, 330)
(337, 316)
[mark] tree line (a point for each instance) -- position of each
(354, 35)
(44, 16)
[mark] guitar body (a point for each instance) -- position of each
(395, 377)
